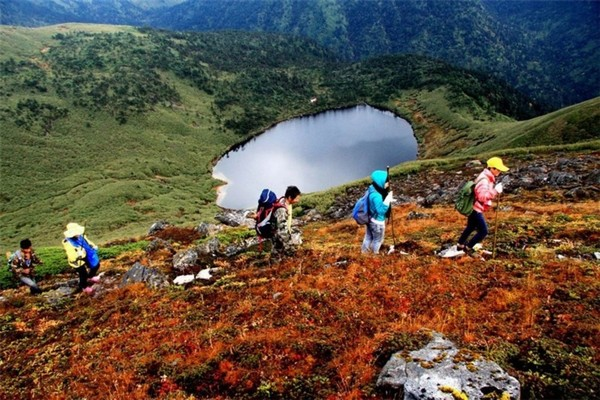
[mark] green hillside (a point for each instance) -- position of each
(117, 128)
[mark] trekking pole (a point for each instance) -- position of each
(390, 217)
(496, 226)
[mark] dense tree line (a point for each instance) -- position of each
(254, 79)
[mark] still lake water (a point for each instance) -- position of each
(314, 153)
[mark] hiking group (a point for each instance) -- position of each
(82, 256)
(273, 222)
(474, 199)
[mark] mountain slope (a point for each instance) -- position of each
(117, 128)
(323, 323)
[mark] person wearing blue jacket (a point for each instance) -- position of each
(380, 199)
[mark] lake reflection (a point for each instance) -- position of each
(314, 153)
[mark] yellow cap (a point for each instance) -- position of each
(496, 162)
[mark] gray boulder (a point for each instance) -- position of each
(185, 261)
(210, 247)
(441, 371)
(157, 227)
(560, 179)
(150, 276)
(235, 218)
(158, 244)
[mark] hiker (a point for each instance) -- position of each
(82, 255)
(283, 240)
(485, 192)
(22, 264)
(380, 200)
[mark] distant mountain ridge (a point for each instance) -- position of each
(549, 50)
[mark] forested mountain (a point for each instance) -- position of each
(550, 50)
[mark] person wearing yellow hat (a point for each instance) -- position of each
(82, 255)
(486, 190)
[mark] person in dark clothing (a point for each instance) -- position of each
(284, 240)
(22, 263)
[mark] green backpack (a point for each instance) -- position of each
(465, 198)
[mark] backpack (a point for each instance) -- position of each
(360, 212)
(465, 198)
(267, 204)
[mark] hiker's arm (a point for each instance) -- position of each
(35, 260)
(379, 205)
(14, 265)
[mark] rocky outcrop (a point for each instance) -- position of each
(441, 371)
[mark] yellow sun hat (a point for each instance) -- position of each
(496, 162)
(73, 229)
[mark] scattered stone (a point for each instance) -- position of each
(235, 218)
(312, 215)
(556, 178)
(583, 193)
(209, 247)
(158, 226)
(430, 200)
(183, 279)
(204, 274)
(418, 215)
(158, 244)
(185, 260)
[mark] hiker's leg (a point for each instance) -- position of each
(277, 246)
(33, 287)
(93, 271)
(83, 276)
(92, 278)
(366, 244)
(378, 232)
(482, 229)
(471, 226)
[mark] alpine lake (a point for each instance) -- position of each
(314, 153)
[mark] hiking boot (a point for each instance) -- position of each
(35, 290)
(89, 290)
(469, 251)
(94, 279)
(451, 252)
